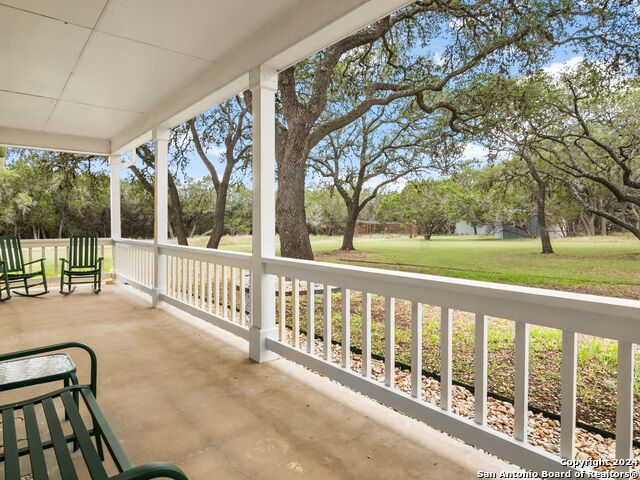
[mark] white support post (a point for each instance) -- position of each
(161, 209)
(115, 163)
(263, 83)
(568, 371)
(624, 410)
(114, 191)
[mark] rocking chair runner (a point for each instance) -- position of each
(83, 266)
(16, 276)
(4, 283)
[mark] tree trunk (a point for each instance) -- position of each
(588, 223)
(603, 227)
(218, 217)
(176, 213)
(540, 195)
(291, 216)
(350, 230)
(475, 229)
(545, 239)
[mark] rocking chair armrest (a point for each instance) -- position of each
(55, 347)
(41, 260)
(152, 470)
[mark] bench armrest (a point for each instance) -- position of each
(59, 346)
(150, 471)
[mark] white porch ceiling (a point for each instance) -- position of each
(107, 70)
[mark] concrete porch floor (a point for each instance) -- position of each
(177, 389)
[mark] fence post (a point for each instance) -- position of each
(263, 83)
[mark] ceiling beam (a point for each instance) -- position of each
(307, 29)
(18, 138)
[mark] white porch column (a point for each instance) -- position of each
(115, 163)
(263, 83)
(114, 192)
(161, 209)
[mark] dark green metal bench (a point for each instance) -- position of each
(43, 415)
(4, 283)
(83, 266)
(16, 274)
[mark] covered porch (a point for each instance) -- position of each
(178, 389)
(231, 398)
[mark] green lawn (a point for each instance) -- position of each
(602, 265)
(606, 266)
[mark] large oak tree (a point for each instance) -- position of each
(386, 62)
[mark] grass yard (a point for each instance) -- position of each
(601, 265)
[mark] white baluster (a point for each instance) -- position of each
(346, 328)
(416, 350)
(326, 319)
(243, 299)
(446, 362)
(282, 299)
(389, 341)
(366, 335)
(217, 295)
(311, 317)
(568, 395)
(521, 387)
(480, 368)
(225, 292)
(234, 316)
(296, 313)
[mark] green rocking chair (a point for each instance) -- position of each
(83, 266)
(17, 276)
(4, 283)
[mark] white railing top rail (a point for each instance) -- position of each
(131, 241)
(55, 242)
(605, 317)
(232, 259)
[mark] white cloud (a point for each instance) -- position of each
(556, 68)
(214, 151)
(393, 187)
(437, 59)
(474, 151)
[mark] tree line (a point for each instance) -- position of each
(41, 201)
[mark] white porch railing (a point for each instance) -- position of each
(133, 261)
(214, 285)
(210, 284)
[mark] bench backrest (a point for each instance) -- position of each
(83, 251)
(11, 253)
